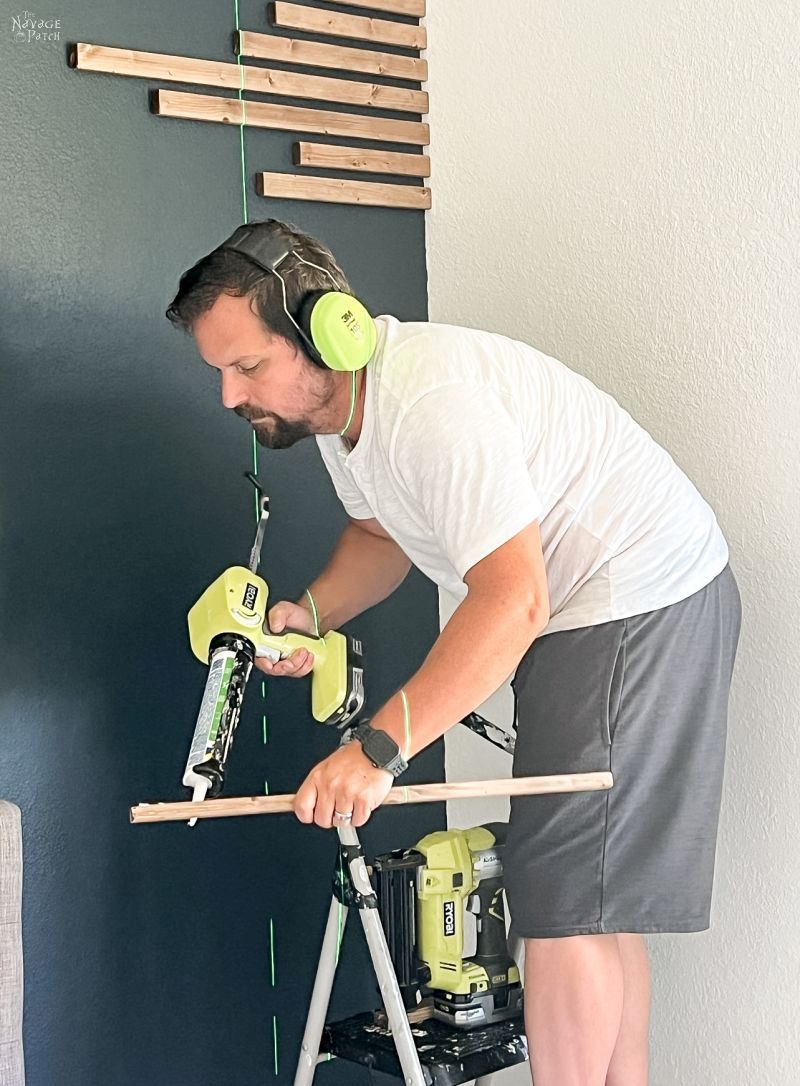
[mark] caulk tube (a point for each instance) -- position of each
(230, 662)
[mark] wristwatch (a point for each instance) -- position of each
(379, 747)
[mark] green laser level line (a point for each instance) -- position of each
(227, 631)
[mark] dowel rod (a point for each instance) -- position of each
(399, 795)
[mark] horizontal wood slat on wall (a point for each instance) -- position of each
(330, 157)
(318, 55)
(102, 58)
(394, 7)
(209, 107)
(336, 191)
(317, 21)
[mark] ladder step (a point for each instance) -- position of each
(448, 1056)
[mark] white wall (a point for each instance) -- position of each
(619, 184)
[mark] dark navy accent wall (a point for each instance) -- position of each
(121, 496)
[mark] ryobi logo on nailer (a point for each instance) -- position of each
(449, 918)
(249, 598)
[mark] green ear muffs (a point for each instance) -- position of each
(335, 328)
(340, 328)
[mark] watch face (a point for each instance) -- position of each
(379, 746)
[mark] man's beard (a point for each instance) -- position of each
(281, 433)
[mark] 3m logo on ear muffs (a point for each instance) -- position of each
(352, 324)
(335, 328)
(342, 330)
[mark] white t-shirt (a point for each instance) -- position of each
(469, 436)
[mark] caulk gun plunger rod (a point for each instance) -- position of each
(255, 552)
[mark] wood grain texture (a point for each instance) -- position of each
(212, 73)
(330, 157)
(334, 190)
(317, 21)
(319, 55)
(415, 8)
(399, 795)
(210, 107)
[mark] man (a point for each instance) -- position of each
(583, 558)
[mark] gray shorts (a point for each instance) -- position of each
(646, 698)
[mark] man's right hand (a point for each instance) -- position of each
(283, 618)
(365, 567)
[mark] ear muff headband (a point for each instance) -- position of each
(335, 328)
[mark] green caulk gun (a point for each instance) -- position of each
(227, 631)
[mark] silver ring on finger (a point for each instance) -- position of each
(345, 816)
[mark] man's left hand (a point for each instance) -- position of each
(345, 782)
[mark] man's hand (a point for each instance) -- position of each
(289, 616)
(365, 567)
(346, 782)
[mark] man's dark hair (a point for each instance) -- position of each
(224, 271)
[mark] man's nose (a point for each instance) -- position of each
(232, 388)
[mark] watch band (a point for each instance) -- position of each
(380, 748)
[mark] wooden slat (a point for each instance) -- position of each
(332, 190)
(210, 107)
(214, 73)
(317, 21)
(416, 8)
(319, 55)
(331, 157)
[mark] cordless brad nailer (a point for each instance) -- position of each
(424, 895)
(227, 631)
